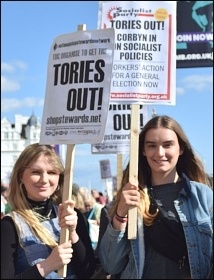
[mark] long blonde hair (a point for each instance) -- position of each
(17, 195)
(188, 163)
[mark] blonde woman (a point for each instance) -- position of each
(91, 206)
(92, 213)
(30, 232)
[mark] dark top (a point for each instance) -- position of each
(165, 243)
(166, 235)
(83, 259)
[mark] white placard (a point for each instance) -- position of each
(144, 69)
(78, 86)
(117, 134)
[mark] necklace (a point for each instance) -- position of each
(43, 209)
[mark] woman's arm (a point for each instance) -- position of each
(114, 249)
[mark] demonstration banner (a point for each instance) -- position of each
(117, 133)
(194, 34)
(78, 85)
(144, 68)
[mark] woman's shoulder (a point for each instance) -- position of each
(7, 223)
(201, 186)
(202, 192)
(7, 219)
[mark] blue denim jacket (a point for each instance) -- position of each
(33, 250)
(117, 254)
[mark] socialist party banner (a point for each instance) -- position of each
(144, 68)
(194, 34)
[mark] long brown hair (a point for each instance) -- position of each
(188, 163)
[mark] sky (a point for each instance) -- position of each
(28, 29)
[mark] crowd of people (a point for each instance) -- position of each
(174, 201)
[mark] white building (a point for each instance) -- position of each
(14, 138)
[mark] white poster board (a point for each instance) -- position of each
(117, 134)
(78, 86)
(144, 69)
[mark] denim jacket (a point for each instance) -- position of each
(33, 250)
(118, 255)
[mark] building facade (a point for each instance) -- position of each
(14, 138)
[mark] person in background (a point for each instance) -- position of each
(3, 202)
(92, 208)
(78, 198)
(92, 213)
(175, 211)
(98, 196)
(79, 203)
(5, 207)
(30, 233)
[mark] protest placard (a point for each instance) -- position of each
(144, 65)
(78, 86)
(117, 133)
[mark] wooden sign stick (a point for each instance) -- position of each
(119, 169)
(67, 194)
(67, 187)
(133, 167)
